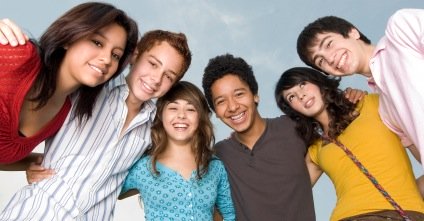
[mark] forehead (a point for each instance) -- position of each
(228, 84)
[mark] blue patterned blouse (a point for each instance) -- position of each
(170, 197)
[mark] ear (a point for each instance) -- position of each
(256, 99)
(134, 57)
(354, 33)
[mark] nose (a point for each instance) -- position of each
(181, 114)
(105, 56)
(233, 105)
(328, 56)
(156, 77)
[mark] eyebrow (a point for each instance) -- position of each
(320, 46)
(157, 60)
(104, 37)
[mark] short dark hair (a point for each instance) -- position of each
(322, 25)
(223, 65)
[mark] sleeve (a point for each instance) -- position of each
(406, 28)
(374, 100)
(313, 153)
(12, 58)
(224, 200)
(132, 181)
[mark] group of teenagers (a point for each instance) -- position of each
(107, 137)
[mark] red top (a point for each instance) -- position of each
(19, 67)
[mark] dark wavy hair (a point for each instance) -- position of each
(223, 65)
(177, 40)
(341, 111)
(203, 139)
(307, 38)
(79, 22)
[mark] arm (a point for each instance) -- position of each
(216, 215)
(414, 151)
(420, 184)
(354, 95)
(315, 171)
(132, 181)
(224, 201)
(11, 33)
(23, 164)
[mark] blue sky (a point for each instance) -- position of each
(262, 32)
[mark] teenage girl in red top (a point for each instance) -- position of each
(77, 54)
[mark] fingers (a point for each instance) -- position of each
(11, 34)
(354, 95)
(36, 172)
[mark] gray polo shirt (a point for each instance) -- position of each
(271, 182)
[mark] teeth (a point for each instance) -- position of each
(342, 61)
(96, 69)
(147, 86)
(237, 116)
(181, 125)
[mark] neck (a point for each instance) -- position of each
(175, 150)
(250, 136)
(324, 120)
(368, 53)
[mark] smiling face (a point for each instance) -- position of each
(180, 121)
(234, 103)
(305, 98)
(94, 59)
(340, 56)
(154, 72)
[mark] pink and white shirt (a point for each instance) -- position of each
(397, 66)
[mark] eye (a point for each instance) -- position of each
(329, 44)
(239, 94)
(116, 56)
(191, 109)
(169, 77)
(290, 98)
(218, 102)
(153, 64)
(97, 43)
(320, 61)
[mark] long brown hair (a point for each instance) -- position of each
(81, 21)
(340, 110)
(202, 141)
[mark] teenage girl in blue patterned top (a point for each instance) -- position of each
(180, 178)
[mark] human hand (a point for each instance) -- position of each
(11, 34)
(36, 172)
(354, 95)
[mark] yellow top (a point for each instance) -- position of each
(381, 152)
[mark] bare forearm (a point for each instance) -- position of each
(21, 165)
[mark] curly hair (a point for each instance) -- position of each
(202, 141)
(307, 38)
(223, 65)
(340, 110)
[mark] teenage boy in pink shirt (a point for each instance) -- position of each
(394, 67)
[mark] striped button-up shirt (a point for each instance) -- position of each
(91, 162)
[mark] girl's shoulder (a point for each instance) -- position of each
(216, 163)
